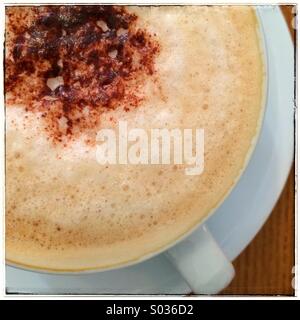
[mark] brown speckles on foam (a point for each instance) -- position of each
(17, 155)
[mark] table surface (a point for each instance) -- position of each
(266, 265)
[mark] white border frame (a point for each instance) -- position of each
(3, 294)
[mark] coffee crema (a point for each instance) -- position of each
(73, 70)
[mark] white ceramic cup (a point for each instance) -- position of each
(202, 263)
(196, 255)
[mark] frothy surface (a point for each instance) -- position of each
(67, 212)
(80, 62)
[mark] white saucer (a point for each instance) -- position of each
(241, 216)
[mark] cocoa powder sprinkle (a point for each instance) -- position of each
(73, 63)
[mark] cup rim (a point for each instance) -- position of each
(265, 59)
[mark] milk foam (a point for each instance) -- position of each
(64, 211)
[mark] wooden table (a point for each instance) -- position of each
(265, 267)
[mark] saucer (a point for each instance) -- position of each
(239, 218)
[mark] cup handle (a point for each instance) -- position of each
(201, 263)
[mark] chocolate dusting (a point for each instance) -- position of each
(96, 56)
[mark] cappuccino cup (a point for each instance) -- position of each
(126, 128)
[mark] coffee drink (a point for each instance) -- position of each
(73, 70)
